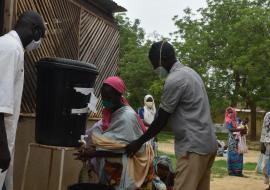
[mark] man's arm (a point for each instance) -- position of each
(158, 124)
(4, 150)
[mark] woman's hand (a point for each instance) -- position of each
(85, 154)
(263, 148)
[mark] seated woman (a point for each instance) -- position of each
(119, 126)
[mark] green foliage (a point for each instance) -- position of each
(134, 68)
(156, 89)
(230, 47)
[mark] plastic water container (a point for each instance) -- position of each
(61, 109)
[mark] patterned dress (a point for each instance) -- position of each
(235, 160)
(265, 138)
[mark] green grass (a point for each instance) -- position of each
(165, 137)
(219, 168)
(250, 166)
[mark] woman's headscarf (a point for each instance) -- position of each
(231, 118)
(118, 84)
(149, 113)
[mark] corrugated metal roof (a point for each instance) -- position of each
(108, 5)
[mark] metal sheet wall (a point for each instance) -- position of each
(99, 44)
(72, 32)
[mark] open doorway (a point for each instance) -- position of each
(2, 6)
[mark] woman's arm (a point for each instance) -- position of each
(232, 129)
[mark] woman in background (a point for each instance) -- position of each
(235, 159)
(148, 112)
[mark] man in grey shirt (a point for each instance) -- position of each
(185, 102)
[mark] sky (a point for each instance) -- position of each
(156, 15)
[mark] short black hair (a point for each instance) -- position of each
(167, 52)
(31, 18)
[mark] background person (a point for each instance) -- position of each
(26, 36)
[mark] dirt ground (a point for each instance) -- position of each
(251, 181)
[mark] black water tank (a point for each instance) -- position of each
(56, 122)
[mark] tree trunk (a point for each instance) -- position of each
(236, 90)
(253, 122)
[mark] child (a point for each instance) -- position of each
(164, 173)
(242, 145)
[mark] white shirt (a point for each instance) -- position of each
(11, 87)
(11, 72)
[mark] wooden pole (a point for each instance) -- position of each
(9, 15)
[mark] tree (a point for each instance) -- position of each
(230, 47)
(134, 68)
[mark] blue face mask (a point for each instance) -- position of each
(107, 104)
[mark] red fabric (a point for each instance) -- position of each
(118, 84)
(231, 118)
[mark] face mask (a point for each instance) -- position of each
(33, 45)
(149, 104)
(161, 72)
(107, 104)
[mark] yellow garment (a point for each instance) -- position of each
(138, 165)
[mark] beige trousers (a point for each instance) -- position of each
(193, 172)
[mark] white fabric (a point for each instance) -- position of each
(260, 164)
(149, 113)
(11, 87)
(265, 133)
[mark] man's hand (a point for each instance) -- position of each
(4, 157)
(133, 147)
(4, 150)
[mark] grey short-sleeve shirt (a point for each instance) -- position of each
(184, 96)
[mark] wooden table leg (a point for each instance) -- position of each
(61, 169)
(26, 166)
(50, 169)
